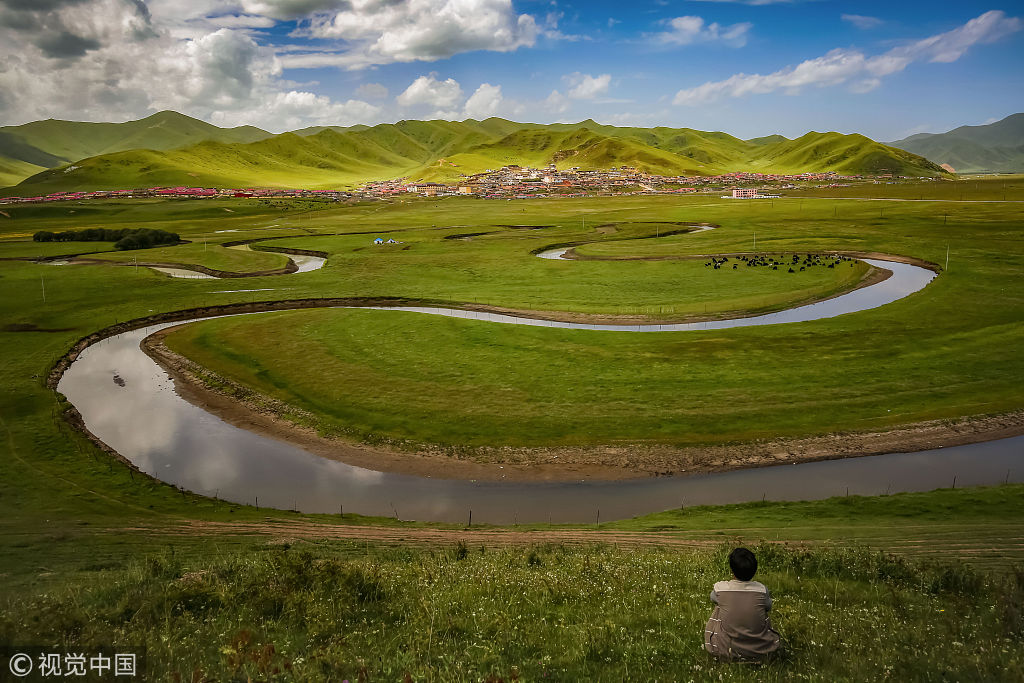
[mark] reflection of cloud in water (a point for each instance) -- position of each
(307, 263)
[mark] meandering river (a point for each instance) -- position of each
(143, 418)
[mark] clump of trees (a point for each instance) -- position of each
(125, 238)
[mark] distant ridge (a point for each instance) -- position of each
(53, 142)
(994, 148)
(441, 151)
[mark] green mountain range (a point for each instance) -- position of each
(172, 149)
(994, 148)
(33, 147)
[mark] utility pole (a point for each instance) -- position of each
(42, 284)
(947, 257)
(755, 240)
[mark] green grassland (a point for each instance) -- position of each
(215, 257)
(969, 189)
(337, 611)
(13, 171)
(90, 552)
(930, 356)
(437, 150)
(32, 147)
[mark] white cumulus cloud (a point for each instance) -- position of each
(295, 109)
(587, 87)
(428, 90)
(556, 102)
(689, 30)
(380, 32)
(109, 60)
(484, 102)
(848, 65)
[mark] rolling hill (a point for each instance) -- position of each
(994, 148)
(445, 151)
(33, 147)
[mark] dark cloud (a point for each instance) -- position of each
(146, 30)
(64, 44)
(295, 9)
(48, 27)
(38, 5)
(20, 21)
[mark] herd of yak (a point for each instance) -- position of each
(768, 261)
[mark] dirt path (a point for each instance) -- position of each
(926, 540)
(284, 531)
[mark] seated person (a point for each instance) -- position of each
(739, 628)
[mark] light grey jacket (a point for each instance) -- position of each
(739, 627)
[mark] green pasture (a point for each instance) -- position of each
(212, 256)
(995, 188)
(935, 354)
(27, 249)
(335, 611)
(90, 552)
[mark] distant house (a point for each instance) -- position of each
(744, 193)
(378, 241)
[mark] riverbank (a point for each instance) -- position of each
(245, 408)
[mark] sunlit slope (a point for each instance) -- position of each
(996, 147)
(32, 147)
(13, 171)
(575, 147)
(448, 150)
(288, 160)
(74, 140)
(847, 154)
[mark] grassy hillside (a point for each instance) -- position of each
(344, 611)
(448, 150)
(13, 171)
(52, 143)
(848, 154)
(996, 147)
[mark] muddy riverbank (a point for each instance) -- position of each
(242, 407)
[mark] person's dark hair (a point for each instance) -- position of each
(743, 564)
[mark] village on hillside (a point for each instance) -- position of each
(511, 182)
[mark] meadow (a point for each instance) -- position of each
(337, 611)
(931, 356)
(94, 552)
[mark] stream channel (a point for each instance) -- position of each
(143, 418)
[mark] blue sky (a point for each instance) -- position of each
(749, 68)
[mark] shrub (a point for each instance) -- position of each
(124, 238)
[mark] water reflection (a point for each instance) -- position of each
(305, 264)
(905, 280)
(184, 445)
